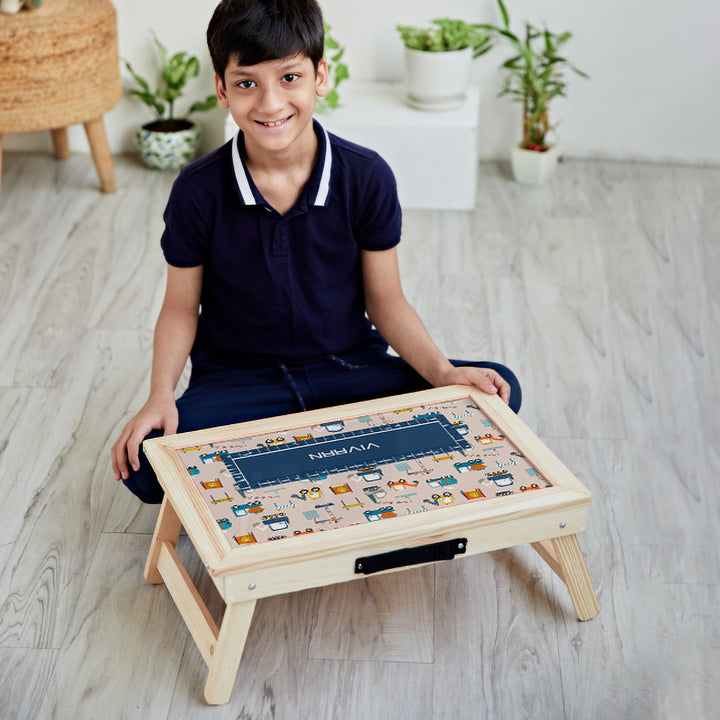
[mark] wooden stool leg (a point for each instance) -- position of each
(228, 651)
(61, 144)
(95, 131)
(576, 576)
(167, 529)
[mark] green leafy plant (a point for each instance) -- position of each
(446, 35)
(176, 71)
(535, 75)
(337, 72)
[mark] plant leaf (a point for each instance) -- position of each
(504, 13)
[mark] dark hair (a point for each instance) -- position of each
(253, 31)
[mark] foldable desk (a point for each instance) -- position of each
(315, 498)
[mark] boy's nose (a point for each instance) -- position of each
(271, 101)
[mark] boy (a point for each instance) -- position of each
(278, 244)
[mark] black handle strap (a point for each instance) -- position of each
(445, 550)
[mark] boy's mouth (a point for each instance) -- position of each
(274, 123)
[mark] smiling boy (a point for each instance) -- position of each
(283, 284)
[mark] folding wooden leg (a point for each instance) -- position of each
(167, 529)
(228, 651)
(565, 558)
(95, 131)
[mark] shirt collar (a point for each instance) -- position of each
(318, 185)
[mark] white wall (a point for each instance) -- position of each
(654, 91)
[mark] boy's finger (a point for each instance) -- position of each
(133, 453)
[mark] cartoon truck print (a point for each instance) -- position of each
(501, 478)
(313, 493)
(275, 441)
(245, 539)
(475, 494)
(489, 439)
(380, 513)
(444, 481)
(334, 426)
(461, 428)
(399, 484)
(207, 458)
(224, 524)
(375, 492)
(277, 521)
(252, 507)
(467, 465)
(446, 499)
(192, 469)
(370, 474)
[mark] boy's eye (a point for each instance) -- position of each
(246, 84)
(290, 77)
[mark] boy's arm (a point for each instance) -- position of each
(174, 335)
(402, 328)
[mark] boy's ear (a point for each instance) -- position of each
(221, 94)
(321, 79)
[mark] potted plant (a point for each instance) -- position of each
(535, 75)
(169, 142)
(438, 61)
(337, 73)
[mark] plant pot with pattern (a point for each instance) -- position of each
(169, 142)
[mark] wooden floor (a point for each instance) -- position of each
(601, 290)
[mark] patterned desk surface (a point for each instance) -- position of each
(360, 469)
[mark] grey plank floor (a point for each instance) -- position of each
(602, 291)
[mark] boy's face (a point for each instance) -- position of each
(273, 102)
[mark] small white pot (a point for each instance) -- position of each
(437, 80)
(532, 167)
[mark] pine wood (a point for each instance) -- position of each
(100, 150)
(244, 574)
(167, 530)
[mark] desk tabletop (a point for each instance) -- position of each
(379, 469)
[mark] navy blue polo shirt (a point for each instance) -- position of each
(281, 287)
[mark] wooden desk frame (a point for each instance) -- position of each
(548, 520)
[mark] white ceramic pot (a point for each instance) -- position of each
(437, 80)
(162, 150)
(532, 167)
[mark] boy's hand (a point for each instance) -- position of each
(485, 379)
(156, 414)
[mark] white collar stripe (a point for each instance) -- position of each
(244, 185)
(324, 188)
(240, 173)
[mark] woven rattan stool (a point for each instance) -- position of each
(59, 66)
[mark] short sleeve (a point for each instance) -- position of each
(185, 240)
(380, 222)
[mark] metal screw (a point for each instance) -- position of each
(461, 546)
(562, 524)
(359, 566)
(251, 586)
